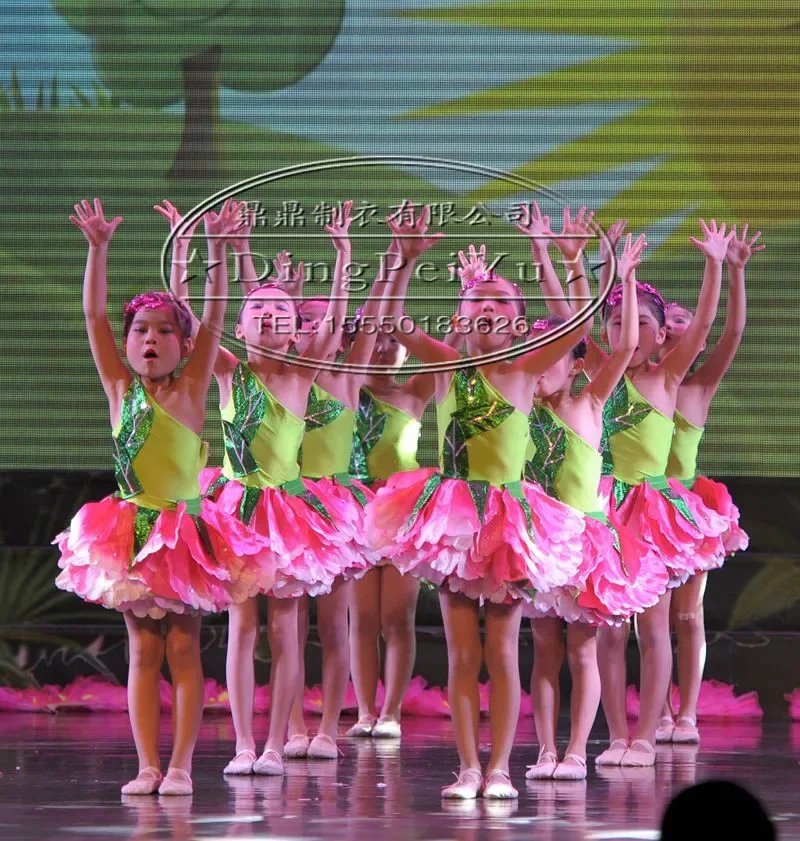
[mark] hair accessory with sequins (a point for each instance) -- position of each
(615, 296)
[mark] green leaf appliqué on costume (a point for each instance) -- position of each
(370, 422)
(619, 414)
(550, 440)
(455, 458)
(250, 404)
(476, 410)
(135, 426)
(320, 412)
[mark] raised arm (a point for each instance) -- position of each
(204, 358)
(610, 373)
(364, 343)
(419, 343)
(181, 249)
(608, 249)
(328, 338)
(290, 277)
(114, 376)
(179, 283)
(536, 227)
(714, 246)
(538, 361)
(408, 243)
(710, 374)
(571, 242)
(246, 272)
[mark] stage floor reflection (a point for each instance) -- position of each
(60, 777)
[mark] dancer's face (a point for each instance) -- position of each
(268, 320)
(154, 345)
(490, 315)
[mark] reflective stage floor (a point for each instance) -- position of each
(60, 778)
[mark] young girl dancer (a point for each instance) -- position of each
(153, 551)
(616, 577)
(694, 402)
(386, 437)
(637, 435)
(326, 450)
(473, 527)
(263, 406)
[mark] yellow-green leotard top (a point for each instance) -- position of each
(481, 435)
(565, 465)
(156, 458)
(262, 437)
(636, 436)
(385, 440)
(328, 435)
(682, 462)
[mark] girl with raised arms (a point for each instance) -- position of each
(153, 550)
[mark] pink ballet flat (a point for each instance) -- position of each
(387, 728)
(613, 754)
(466, 787)
(147, 782)
(322, 747)
(572, 768)
(644, 757)
(269, 764)
(665, 730)
(297, 746)
(544, 768)
(363, 727)
(498, 787)
(686, 732)
(241, 764)
(176, 783)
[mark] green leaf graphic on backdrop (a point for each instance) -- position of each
(153, 53)
(771, 590)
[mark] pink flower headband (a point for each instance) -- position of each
(487, 276)
(154, 301)
(615, 296)
(482, 277)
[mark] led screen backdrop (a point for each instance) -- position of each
(649, 110)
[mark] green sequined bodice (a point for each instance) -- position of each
(682, 462)
(565, 465)
(385, 439)
(481, 435)
(156, 458)
(262, 437)
(328, 435)
(636, 436)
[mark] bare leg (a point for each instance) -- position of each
(297, 724)
(582, 657)
(464, 657)
(365, 629)
(612, 644)
(243, 632)
(548, 657)
(655, 654)
(183, 657)
(282, 630)
(146, 654)
(398, 605)
(502, 663)
(332, 625)
(691, 633)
